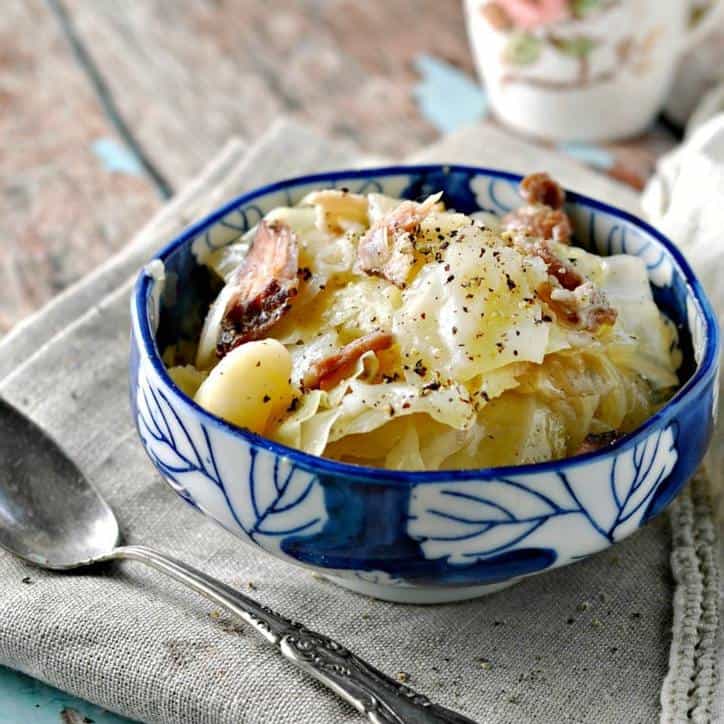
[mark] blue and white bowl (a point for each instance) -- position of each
(419, 537)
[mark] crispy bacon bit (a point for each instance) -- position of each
(576, 301)
(540, 188)
(328, 372)
(591, 443)
(541, 222)
(583, 308)
(564, 313)
(543, 215)
(561, 270)
(387, 249)
(264, 283)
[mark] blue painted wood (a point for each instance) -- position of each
(447, 97)
(25, 699)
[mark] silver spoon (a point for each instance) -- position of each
(52, 517)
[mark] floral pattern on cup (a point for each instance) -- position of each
(562, 26)
(526, 14)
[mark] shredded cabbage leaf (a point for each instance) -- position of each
(482, 369)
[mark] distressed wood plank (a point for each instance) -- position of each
(187, 76)
(190, 74)
(61, 211)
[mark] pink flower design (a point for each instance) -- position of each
(529, 14)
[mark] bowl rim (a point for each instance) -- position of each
(146, 341)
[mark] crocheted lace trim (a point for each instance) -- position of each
(689, 690)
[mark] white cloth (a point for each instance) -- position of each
(589, 642)
(685, 199)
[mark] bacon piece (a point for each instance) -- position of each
(583, 308)
(543, 215)
(387, 248)
(591, 443)
(540, 221)
(264, 283)
(540, 188)
(576, 302)
(561, 270)
(328, 372)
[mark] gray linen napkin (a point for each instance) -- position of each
(589, 642)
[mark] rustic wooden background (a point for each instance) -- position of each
(185, 75)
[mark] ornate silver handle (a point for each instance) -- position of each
(382, 699)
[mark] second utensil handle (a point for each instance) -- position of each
(382, 699)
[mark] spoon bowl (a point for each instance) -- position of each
(50, 515)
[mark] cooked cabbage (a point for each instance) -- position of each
(479, 363)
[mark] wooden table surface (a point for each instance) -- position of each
(185, 76)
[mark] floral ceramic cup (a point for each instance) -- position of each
(581, 70)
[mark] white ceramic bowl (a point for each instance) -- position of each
(418, 537)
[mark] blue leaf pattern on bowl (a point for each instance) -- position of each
(278, 500)
(472, 520)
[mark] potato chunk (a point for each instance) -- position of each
(250, 386)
